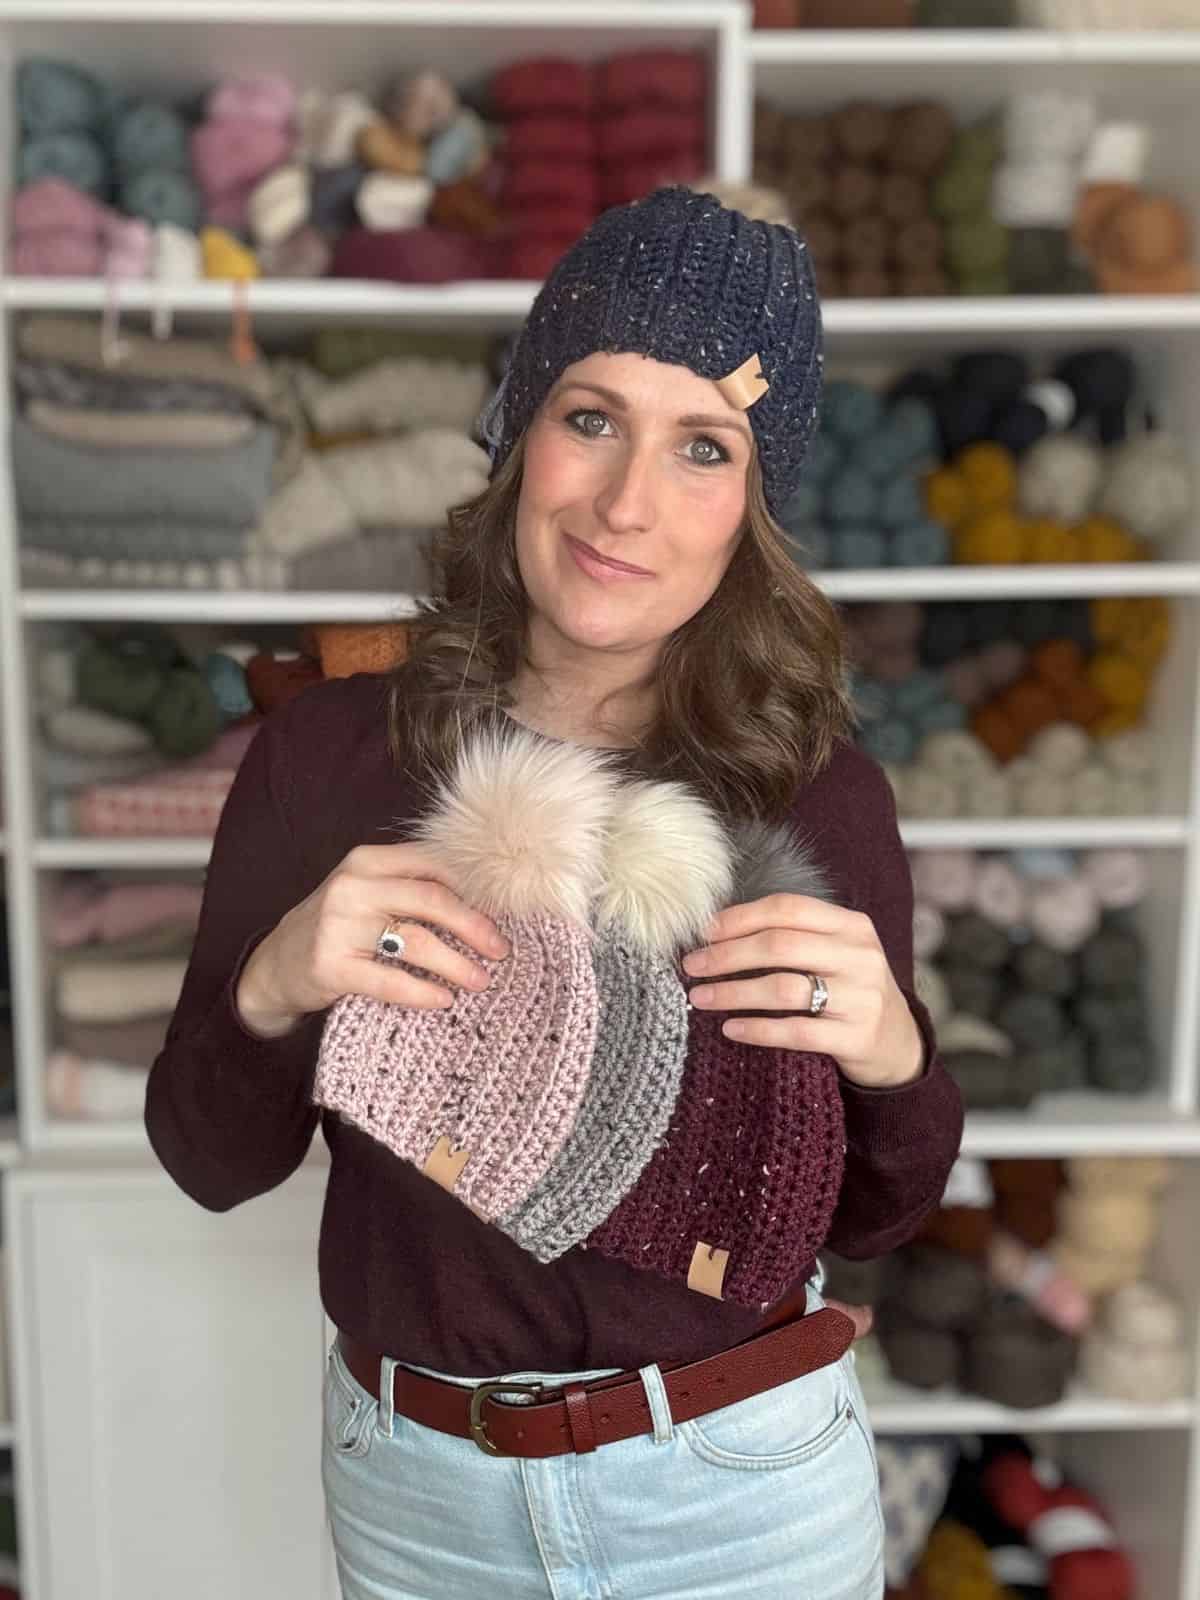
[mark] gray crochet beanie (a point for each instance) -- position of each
(685, 279)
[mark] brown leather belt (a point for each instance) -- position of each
(585, 1415)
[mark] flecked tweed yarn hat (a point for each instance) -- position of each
(739, 1196)
(668, 870)
(481, 1095)
(682, 278)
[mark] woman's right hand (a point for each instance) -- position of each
(325, 946)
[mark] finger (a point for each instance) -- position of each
(822, 1035)
(774, 991)
(400, 860)
(393, 985)
(424, 949)
(420, 900)
(863, 1317)
(776, 947)
(800, 911)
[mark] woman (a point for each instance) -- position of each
(621, 585)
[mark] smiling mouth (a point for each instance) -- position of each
(608, 561)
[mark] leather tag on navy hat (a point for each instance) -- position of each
(745, 384)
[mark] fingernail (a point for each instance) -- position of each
(480, 980)
(501, 946)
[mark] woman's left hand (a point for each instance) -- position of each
(866, 1026)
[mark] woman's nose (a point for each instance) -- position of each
(627, 498)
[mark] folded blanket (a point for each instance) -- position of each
(133, 1044)
(415, 392)
(140, 430)
(387, 560)
(159, 806)
(228, 487)
(98, 1091)
(117, 991)
(60, 384)
(412, 481)
(136, 539)
(158, 943)
(67, 769)
(87, 910)
(51, 569)
(76, 342)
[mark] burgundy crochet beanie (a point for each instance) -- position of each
(738, 1199)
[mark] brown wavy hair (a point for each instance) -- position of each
(752, 693)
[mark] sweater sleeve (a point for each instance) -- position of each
(900, 1142)
(228, 1113)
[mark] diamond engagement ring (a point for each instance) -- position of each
(820, 994)
(390, 945)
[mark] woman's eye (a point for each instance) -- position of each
(589, 423)
(708, 452)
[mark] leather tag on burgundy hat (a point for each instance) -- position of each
(707, 1271)
(745, 384)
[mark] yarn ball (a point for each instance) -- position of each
(1064, 913)
(1041, 969)
(930, 988)
(1148, 486)
(1059, 477)
(850, 409)
(945, 878)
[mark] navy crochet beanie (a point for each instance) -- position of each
(685, 279)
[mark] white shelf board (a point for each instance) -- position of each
(901, 1408)
(1055, 833)
(110, 854)
(1172, 578)
(949, 47)
(509, 300)
(1083, 1123)
(343, 14)
(1027, 581)
(211, 605)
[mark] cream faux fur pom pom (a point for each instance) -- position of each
(668, 867)
(521, 825)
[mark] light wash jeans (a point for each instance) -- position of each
(775, 1498)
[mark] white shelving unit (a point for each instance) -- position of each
(174, 47)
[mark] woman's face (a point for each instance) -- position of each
(643, 462)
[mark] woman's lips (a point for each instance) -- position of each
(599, 566)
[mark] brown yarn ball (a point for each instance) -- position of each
(466, 206)
(1027, 1191)
(1178, 277)
(923, 285)
(868, 283)
(903, 197)
(805, 141)
(1095, 204)
(1144, 234)
(807, 190)
(769, 125)
(861, 129)
(967, 1230)
(921, 138)
(1030, 705)
(997, 730)
(867, 243)
(830, 283)
(919, 244)
(853, 190)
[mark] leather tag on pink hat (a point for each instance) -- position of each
(444, 1165)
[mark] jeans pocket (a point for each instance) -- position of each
(781, 1427)
(350, 1411)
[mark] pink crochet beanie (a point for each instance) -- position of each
(481, 1095)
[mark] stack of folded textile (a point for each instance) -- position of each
(156, 469)
(122, 950)
(136, 737)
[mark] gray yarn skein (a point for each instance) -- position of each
(639, 1058)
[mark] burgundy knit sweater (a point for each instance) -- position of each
(403, 1264)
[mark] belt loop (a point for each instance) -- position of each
(660, 1405)
(387, 1394)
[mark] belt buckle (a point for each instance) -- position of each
(483, 1392)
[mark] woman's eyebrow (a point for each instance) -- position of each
(695, 419)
